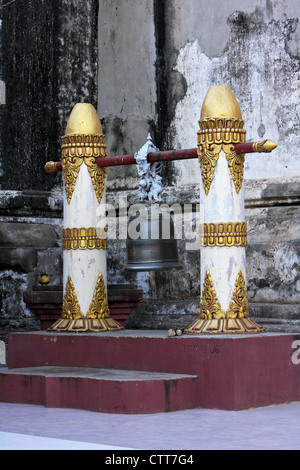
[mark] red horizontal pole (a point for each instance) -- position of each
(121, 160)
(152, 157)
(171, 155)
(168, 155)
(247, 147)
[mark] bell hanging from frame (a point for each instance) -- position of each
(151, 243)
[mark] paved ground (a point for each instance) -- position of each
(37, 428)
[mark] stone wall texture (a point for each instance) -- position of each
(146, 65)
(49, 63)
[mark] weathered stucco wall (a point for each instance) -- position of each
(127, 86)
(253, 48)
(256, 54)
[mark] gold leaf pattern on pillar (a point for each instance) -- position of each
(210, 307)
(236, 166)
(99, 306)
(71, 308)
(208, 159)
(79, 148)
(213, 320)
(98, 175)
(218, 134)
(239, 307)
(70, 167)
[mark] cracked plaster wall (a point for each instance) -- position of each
(257, 56)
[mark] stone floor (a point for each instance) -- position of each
(37, 428)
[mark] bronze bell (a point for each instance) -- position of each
(151, 244)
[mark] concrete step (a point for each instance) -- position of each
(102, 390)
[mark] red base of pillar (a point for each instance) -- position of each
(234, 372)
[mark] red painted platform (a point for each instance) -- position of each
(230, 372)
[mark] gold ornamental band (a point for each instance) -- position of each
(223, 234)
(83, 145)
(221, 131)
(84, 239)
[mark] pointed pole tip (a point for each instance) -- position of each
(269, 145)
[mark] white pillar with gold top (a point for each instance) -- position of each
(85, 305)
(223, 230)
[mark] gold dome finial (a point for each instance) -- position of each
(83, 142)
(83, 120)
(220, 102)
